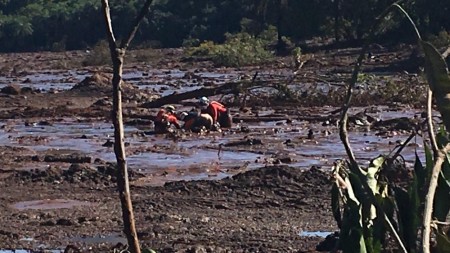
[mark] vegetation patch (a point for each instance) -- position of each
(379, 90)
(240, 49)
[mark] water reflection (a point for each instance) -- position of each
(87, 137)
(150, 153)
(48, 204)
(28, 251)
(101, 239)
(315, 234)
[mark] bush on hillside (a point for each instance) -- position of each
(241, 49)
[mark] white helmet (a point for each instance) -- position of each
(203, 101)
(170, 108)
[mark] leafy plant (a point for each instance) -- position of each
(240, 49)
(369, 196)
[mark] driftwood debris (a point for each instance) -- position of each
(227, 88)
(248, 119)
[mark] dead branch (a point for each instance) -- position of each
(431, 135)
(237, 119)
(227, 88)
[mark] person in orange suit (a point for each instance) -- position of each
(196, 122)
(165, 119)
(218, 112)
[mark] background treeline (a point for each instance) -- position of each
(29, 25)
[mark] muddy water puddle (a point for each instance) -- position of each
(110, 239)
(101, 239)
(57, 80)
(315, 233)
(163, 81)
(193, 157)
(206, 156)
(28, 251)
(48, 204)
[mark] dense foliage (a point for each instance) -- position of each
(27, 25)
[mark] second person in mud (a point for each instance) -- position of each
(196, 122)
(220, 114)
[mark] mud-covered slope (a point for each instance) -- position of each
(256, 211)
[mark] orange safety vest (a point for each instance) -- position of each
(164, 116)
(215, 109)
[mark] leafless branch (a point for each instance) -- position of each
(431, 135)
(343, 133)
(441, 223)
(109, 29)
(145, 9)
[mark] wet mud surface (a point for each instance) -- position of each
(261, 186)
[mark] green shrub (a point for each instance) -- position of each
(240, 49)
(387, 199)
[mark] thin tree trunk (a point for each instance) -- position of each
(429, 199)
(117, 57)
(119, 149)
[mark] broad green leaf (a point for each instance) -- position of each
(443, 242)
(351, 236)
(442, 196)
(429, 161)
(354, 187)
(408, 205)
(335, 204)
(442, 137)
(438, 80)
(378, 230)
(420, 175)
(372, 172)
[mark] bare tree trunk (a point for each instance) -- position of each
(119, 149)
(117, 57)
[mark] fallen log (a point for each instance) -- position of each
(227, 88)
(250, 119)
(69, 158)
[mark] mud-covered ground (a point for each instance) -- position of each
(74, 199)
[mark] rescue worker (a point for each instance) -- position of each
(196, 122)
(165, 119)
(218, 112)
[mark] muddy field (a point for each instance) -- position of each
(261, 186)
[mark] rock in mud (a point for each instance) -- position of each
(103, 102)
(50, 174)
(12, 89)
(70, 158)
(402, 123)
(246, 142)
(64, 222)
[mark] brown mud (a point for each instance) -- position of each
(51, 199)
